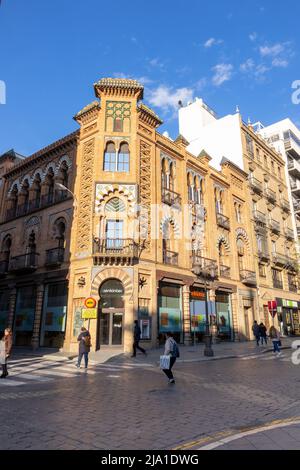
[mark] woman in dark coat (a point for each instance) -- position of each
(5, 348)
(84, 340)
(263, 334)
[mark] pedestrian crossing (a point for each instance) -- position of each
(273, 357)
(27, 371)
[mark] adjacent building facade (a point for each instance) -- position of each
(147, 226)
(275, 251)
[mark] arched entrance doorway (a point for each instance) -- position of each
(111, 312)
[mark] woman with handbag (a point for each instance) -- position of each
(5, 350)
(171, 352)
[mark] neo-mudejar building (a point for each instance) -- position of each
(145, 225)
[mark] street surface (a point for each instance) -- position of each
(128, 404)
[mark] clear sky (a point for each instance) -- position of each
(227, 52)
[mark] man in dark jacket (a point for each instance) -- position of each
(84, 340)
(136, 339)
(263, 334)
(255, 329)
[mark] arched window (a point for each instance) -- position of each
(241, 253)
(115, 205)
(110, 157)
(190, 187)
(172, 177)
(221, 253)
(123, 158)
(164, 175)
(25, 191)
(5, 251)
(61, 229)
(14, 202)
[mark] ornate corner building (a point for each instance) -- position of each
(146, 225)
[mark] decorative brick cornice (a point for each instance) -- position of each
(56, 148)
(148, 116)
(88, 113)
(119, 86)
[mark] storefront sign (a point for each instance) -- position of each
(197, 294)
(89, 313)
(289, 303)
(90, 302)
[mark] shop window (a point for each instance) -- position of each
(24, 316)
(170, 314)
(54, 315)
(4, 310)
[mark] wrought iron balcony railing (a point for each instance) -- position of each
(112, 251)
(248, 278)
(170, 257)
(225, 271)
(274, 225)
(204, 267)
(24, 263)
(171, 198)
(259, 217)
(270, 195)
(55, 256)
(285, 205)
(223, 221)
(289, 233)
(256, 185)
(293, 287)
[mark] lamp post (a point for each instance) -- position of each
(209, 274)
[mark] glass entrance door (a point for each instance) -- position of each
(111, 328)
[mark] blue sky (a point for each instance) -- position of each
(227, 52)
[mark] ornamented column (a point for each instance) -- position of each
(186, 315)
(35, 341)
(12, 305)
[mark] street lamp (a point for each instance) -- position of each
(209, 274)
(62, 187)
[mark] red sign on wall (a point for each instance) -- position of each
(272, 307)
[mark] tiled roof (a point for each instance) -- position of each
(150, 111)
(119, 83)
(87, 108)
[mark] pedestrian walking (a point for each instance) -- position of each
(255, 329)
(136, 339)
(171, 350)
(275, 337)
(263, 334)
(5, 350)
(84, 340)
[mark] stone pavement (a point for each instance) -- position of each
(135, 408)
(222, 350)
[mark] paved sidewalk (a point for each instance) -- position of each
(221, 351)
(187, 353)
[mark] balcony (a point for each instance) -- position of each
(204, 267)
(115, 251)
(32, 206)
(3, 268)
(274, 226)
(285, 205)
(263, 255)
(295, 187)
(225, 271)
(24, 263)
(223, 221)
(270, 195)
(55, 256)
(197, 209)
(289, 233)
(248, 278)
(170, 257)
(294, 168)
(277, 284)
(279, 259)
(259, 217)
(292, 146)
(170, 197)
(255, 185)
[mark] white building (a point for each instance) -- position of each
(284, 136)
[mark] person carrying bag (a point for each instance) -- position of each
(168, 360)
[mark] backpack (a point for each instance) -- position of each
(175, 349)
(87, 341)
